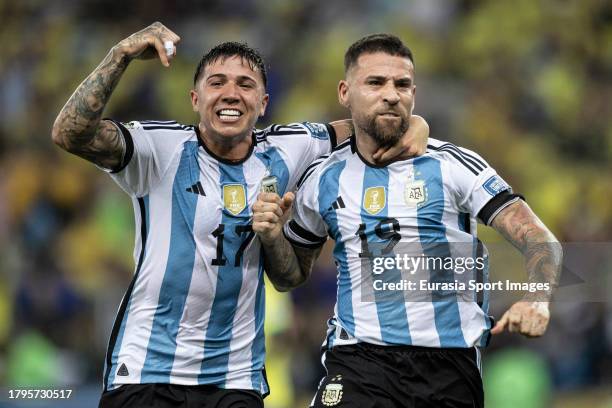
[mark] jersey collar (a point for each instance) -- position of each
(223, 159)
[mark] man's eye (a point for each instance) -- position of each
(216, 83)
(247, 86)
(374, 82)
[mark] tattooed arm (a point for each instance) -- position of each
(78, 128)
(413, 143)
(287, 266)
(543, 257)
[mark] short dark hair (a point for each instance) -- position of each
(231, 49)
(387, 43)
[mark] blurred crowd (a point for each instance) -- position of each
(525, 83)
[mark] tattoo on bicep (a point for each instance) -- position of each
(79, 121)
(106, 148)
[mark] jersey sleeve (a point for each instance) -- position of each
(147, 156)
(322, 138)
(306, 228)
(481, 192)
(301, 143)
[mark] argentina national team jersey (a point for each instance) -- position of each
(194, 311)
(433, 199)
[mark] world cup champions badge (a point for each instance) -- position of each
(269, 184)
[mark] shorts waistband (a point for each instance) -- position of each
(407, 348)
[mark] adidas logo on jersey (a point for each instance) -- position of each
(197, 189)
(339, 203)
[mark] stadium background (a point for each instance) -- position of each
(526, 83)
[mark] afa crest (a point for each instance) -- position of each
(234, 198)
(374, 200)
(415, 193)
(332, 394)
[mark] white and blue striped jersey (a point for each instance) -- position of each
(430, 202)
(194, 311)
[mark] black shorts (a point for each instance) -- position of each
(171, 395)
(369, 376)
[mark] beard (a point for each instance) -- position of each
(384, 134)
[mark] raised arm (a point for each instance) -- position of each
(287, 266)
(543, 258)
(78, 128)
(413, 143)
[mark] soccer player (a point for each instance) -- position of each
(189, 331)
(385, 351)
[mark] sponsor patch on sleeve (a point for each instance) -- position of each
(317, 130)
(133, 125)
(495, 185)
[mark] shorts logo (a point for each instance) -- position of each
(332, 394)
(234, 198)
(495, 185)
(374, 200)
(415, 193)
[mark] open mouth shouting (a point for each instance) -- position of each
(229, 115)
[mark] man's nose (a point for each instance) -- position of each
(230, 93)
(390, 94)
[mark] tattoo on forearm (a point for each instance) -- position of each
(288, 266)
(78, 124)
(307, 257)
(543, 253)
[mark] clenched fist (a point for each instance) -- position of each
(149, 42)
(527, 318)
(270, 212)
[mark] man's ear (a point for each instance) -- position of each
(264, 104)
(194, 100)
(343, 93)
